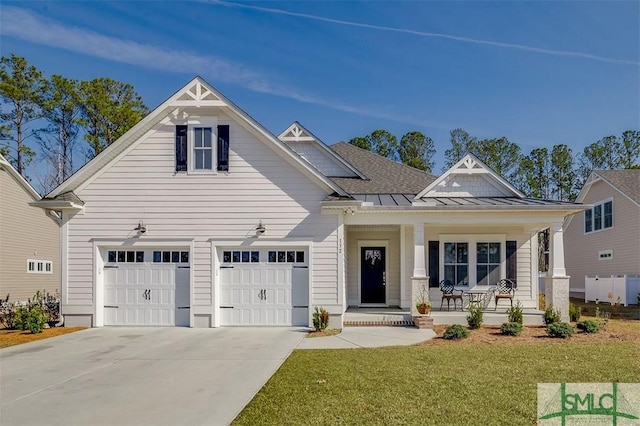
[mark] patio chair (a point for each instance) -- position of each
(506, 289)
(449, 293)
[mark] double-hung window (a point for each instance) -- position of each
(456, 263)
(599, 217)
(202, 146)
(488, 261)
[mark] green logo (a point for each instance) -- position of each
(588, 401)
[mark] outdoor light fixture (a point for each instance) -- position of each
(260, 229)
(141, 228)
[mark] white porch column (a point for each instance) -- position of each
(419, 277)
(557, 281)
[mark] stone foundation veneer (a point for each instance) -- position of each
(557, 295)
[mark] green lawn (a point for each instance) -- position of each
(433, 384)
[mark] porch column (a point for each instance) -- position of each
(419, 277)
(557, 282)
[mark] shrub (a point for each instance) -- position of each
(515, 314)
(589, 326)
(51, 305)
(602, 317)
(456, 331)
(35, 319)
(511, 328)
(560, 329)
(574, 312)
(320, 319)
(8, 314)
(474, 319)
(551, 315)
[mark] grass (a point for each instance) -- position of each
(440, 383)
(17, 337)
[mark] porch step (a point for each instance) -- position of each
(378, 323)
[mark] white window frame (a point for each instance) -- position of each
(472, 239)
(209, 122)
(600, 204)
(38, 266)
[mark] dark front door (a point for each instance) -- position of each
(373, 275)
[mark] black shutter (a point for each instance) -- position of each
(223, 148)
(512, 261)
(434, 263)
(181, 148)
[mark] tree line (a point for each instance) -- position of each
(557, 173)
(54, 112)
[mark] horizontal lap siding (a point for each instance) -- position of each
(581, 250)
(261, 186)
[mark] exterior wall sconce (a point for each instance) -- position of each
(348, 211)
(141, 228)
(260, 229)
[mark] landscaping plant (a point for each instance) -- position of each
(560, 329)
(515, 314)
(511, 328)
(602, 317)
(320, 319)
(474, 319)
(551, 315)
(574, 312)
(35, 319)
(589, 326)
(455, 331)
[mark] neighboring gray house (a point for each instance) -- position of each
(199, 216)
(605, 239)
(29, 240)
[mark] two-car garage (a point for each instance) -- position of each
(258, 286)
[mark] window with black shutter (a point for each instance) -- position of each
(223, 148)
(181, 148)
(512, 261)
(434, 263)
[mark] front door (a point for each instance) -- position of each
(373, 275)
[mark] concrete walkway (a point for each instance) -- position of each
(368, 337)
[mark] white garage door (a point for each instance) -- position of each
(264, 286)
(146, 287)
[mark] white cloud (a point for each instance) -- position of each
(22, 24)
(505, 45)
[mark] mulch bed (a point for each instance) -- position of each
(16, 337)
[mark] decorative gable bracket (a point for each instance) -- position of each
(198, 95)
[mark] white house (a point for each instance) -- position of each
(199, 216)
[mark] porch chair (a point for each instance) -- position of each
(449, 293)
(506, 289)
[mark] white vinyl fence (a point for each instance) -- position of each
(623, 289)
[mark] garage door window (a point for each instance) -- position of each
(240, 256)
(286, 256)
(125, 256)
(170, 257)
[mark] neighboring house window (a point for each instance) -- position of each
(35, 266)
(456, 263)
(599, 217)
(487, 263)
(605, 255)
(202, 146)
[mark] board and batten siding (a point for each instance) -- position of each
(581, 250)
(26, 232)
(260, 186)
(373, 233)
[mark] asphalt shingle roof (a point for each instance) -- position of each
(627, 181)
(384, 176)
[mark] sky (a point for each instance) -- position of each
(538, 73)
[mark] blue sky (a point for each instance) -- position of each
(539, 73)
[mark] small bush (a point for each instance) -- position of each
(515, 313)
(589, 326)
(35, 320)
(320, 319)
(456, 331)
(574, 312)
(511, 328)
(560, 329)
(602, 317)
(474, 319)
(551, 315)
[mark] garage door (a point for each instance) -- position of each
(264, 286)
(146, 287)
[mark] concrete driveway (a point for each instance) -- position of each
(140, 376)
